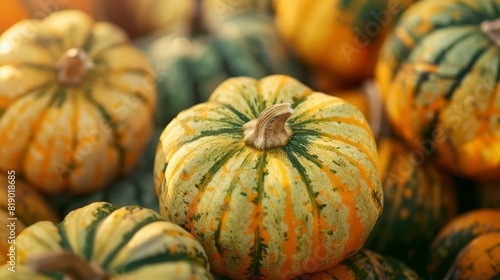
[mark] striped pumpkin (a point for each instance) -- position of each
(454, 245)
(337, 36)
(106, 242)
(480, 259)
(137, 188)
(189, 68)
(217, 11)
(438, 73)
(365, 265)
(273, 179)
(20, 206)
(76, 102)
(418, 200)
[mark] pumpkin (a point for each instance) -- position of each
(216, 11)
(337, 38)
(454, 242)
(275, 180)
(108, 242)
(76, 102)
(139, 18)
(418, 200)
(190, 66)
(365, 264)
(480, 259)
(20, 206)
(438, 76)
(137, 188)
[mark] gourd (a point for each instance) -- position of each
(106, 242)
(438, 74)
(419, 199)
(76, 102)
(192, 61)
(20, 206)
(474, 233)
(337, 38)
(137, 188)
(365, 264)
(275, 180)
(480, 259)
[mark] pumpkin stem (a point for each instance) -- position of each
(492, 29)
(73, 66)
(71, 265)
(270, 130)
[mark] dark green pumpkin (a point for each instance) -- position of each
(365, 265)
(418, 200)
(189, 67)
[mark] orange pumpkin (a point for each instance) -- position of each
(340, 37)
(465, 249)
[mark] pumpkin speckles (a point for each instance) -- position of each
(76, 102)
(300, 206)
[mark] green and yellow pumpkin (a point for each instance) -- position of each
(337, 38)
(101, 241)
(136, 188)
(464, 247)
(419, 199)
(365, 265)
(275, 180)
(190, 63)
(438, 74)
(76, 102)
(20, 206)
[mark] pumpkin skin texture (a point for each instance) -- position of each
(127, 243)
(418, 200)
(365, 264)
(438, 74)
(191, 66)
(90, 95)
(342, 38)
(137, 188)
(271, 207)
(458, 234)
(480, 259)
(29, 208)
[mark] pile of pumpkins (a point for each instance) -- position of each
(250, 139)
